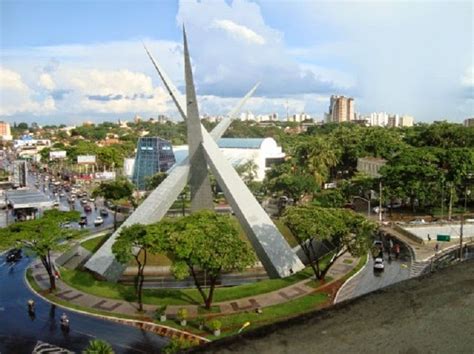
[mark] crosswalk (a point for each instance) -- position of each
(42, 347)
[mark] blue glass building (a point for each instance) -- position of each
(153, 155)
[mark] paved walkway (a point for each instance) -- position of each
(66, 293)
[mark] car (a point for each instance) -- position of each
(377, 209)
(378, 264)
(418, 222)
(104, 212)
(83, 220)
(92, 200)
(98, 221)
(66, 225)
(13, 255)
(87, 208)
(62, 194)
(56, 203)
(84, 201)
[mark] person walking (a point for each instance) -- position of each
(397, 250)
(437, 247)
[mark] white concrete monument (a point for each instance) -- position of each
(278, 259)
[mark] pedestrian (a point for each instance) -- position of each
(437, 247)
(397, 250)
(429, 237)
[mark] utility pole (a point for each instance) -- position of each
(380, 201)
(460, 237)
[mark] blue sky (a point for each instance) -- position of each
(68, 61)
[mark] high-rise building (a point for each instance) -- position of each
(5, 132)
(341, 109)
(20, 173)
(406, 121)
(469, 122)
(153, 155)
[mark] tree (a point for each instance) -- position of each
(134, 242)
(317, 156)
(208, 242)
(290, 181)
(42, 236)
(345, 230)
(98, 346)
(114, 191)
(247, 171)
(154, 181)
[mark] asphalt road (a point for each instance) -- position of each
(368, 280)
(19, 332)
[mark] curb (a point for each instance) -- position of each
(148, 326)
(351, 277)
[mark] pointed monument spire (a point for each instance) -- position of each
(201, 193)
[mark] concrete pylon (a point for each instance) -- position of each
(278, 259)
(201, 194)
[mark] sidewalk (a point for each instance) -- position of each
(75, 297)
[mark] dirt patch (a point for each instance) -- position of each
(430, 314)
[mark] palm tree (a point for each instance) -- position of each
(319, 156)
(98, 346)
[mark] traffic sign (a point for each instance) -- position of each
(445, 238)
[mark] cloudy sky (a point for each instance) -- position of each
(68, 61)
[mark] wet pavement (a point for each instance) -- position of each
(368, 280)
(19, 332)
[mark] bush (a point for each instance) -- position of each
(215, 325)
(182, 313)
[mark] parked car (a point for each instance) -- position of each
(62, 194)
(378, 264)
(92, 200)
(418, 222)
(98, 221)
(84, 201)
(87, 208)
(104, 212)
(376, 210)
(13, 255)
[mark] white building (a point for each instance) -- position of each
(128, 165)
(264, 152)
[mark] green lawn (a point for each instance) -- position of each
(94, 243)
(86, 282)
(232, 323)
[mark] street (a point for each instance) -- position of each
(19, 332)
(368, 280)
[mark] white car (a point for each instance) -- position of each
(378, 264)
(377, 209)
(98, 221)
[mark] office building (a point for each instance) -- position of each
(153, 155)
(341, 109)
(5, 132)
(469, 122)
(20, 173)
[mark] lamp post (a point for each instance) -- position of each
(380, 201)
(461, 233)
(368, 204)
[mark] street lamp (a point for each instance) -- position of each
(368, 203)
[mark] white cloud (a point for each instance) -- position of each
(468, 77)
(17, 97)
(46, 81)
(239, 31)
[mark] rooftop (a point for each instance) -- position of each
(238, 143)
(28, 198)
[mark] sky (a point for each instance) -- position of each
(67, 61)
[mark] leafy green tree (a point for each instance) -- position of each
(318, 156)
(98, 346)
(247, 171)
(42, 236)
(413, 174)
(208, 242)
(345, 230)
(154, 181)
(114, 191)
(290, 181)
(134, 242)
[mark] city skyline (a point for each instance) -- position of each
(85, 60)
